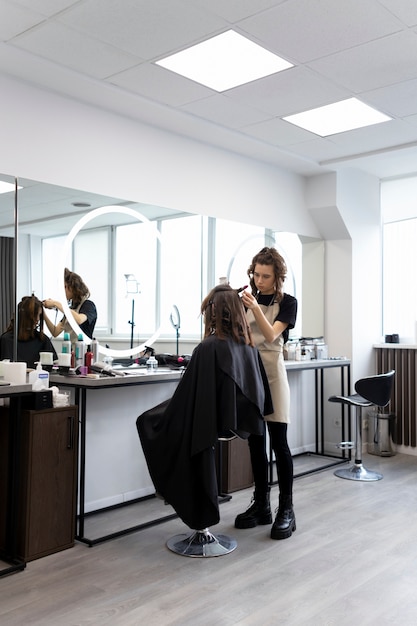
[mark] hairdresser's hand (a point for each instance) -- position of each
(248, 300)
(50, 304)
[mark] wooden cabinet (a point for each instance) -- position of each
(47, 485)
(234, 465)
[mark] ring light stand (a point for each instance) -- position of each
(175, 320)
(132, 287)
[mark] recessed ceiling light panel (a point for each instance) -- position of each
(338, 117)
(224, 62)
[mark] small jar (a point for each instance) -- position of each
(151, 364)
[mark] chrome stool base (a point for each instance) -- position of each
(201, 543)
(358, 472)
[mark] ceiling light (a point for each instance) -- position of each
(338, 117)
(224, 61)
(7, 187)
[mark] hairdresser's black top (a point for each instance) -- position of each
(88, 308)
(287, 311)
(27, 351)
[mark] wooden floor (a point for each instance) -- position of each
(352, 560)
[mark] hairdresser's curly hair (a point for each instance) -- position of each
(270, 256)
(78, 287)
(224, 315)
(30, 319)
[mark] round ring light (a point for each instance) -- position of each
(65, 253)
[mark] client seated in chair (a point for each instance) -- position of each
(223, 390)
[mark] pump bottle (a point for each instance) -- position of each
(39, 378)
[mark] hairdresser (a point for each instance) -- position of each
(82, 309)
(30, 336)
(271, 313)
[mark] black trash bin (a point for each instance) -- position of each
(382, 433)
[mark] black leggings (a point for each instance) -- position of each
(259, 459)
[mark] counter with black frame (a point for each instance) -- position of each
(108, 421)
(8, 553)
(320, 401)
(104, 416)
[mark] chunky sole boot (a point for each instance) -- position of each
(258, 514)
(284, 524)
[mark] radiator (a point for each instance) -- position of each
(403, 402)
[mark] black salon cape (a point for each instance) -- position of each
(223, 388)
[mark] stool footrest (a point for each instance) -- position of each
(346, 445)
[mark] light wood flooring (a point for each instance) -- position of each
(352, 560)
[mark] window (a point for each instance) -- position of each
(52, 284)
(135, 254)
(181, 274)
(137, 272)
(399, 215)
(91, 262)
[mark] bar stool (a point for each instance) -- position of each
(370, 391)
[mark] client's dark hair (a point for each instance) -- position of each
(224, 315)
(30, 319)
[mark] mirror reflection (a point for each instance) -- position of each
(177, 268)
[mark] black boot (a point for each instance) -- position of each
(258, 513)
(284, 524)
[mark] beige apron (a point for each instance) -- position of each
(273, 359)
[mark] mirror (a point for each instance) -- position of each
(46, 210)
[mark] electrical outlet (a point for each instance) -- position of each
(365, 424)
(336, 421)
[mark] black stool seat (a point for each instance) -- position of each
(370, 391)
(355, 399)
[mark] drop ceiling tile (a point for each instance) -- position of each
(411, 119)
(155, 82)
(302, 30)
(319, 149)
(234, 10)
(397, 100)
(15, 19)
(375, 64)
(277, 132)
(46, 7)
(224, 111)
(406, 10)
(71, 49)
(291, 91)
(145, 28)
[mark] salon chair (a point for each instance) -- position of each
(370, 391)
(204, 543)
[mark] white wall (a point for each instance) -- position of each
(57, 140)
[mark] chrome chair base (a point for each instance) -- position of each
(201, 543)
(358, 472)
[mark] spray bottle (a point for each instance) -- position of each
(79, 351)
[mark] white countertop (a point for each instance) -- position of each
(396, 346)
